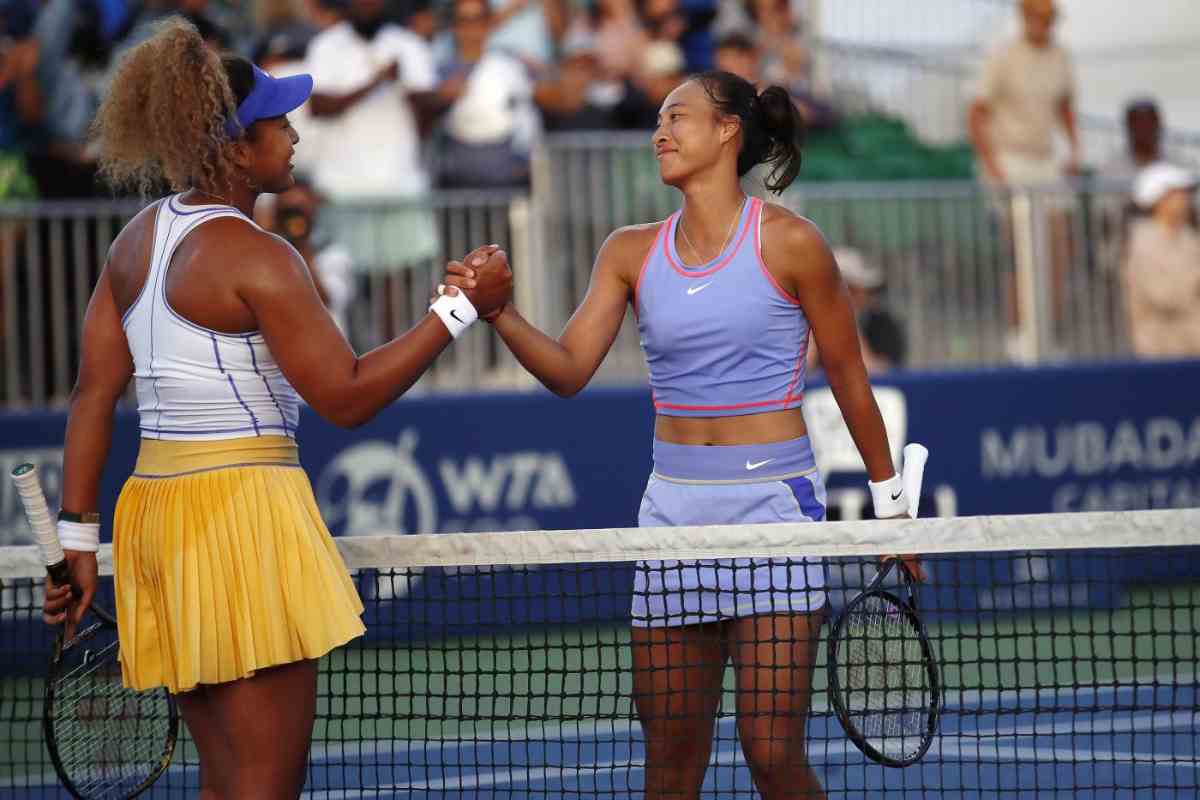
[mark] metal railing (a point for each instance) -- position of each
(52, 253)
(966, 269)
(976, 278)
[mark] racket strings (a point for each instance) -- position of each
(885, 678)
(109, 739)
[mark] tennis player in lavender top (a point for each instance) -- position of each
(726, 292)
(228, 585)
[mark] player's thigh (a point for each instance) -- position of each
(204, 725)
(773, 657)
(677, 673)
(276, 705)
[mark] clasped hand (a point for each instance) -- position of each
(485, 277)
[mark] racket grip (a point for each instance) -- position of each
(915, 456)
(29, 488)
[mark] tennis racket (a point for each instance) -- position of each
(883, 676)
(105, 741)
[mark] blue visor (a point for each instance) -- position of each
(270, 97)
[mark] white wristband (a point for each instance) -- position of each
(888, 497)
(456, 312)
(79, 535)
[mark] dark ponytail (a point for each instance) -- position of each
(772, 128)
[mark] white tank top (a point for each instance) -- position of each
(192, 382)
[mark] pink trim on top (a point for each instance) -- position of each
(762, 262)
(693, 273)
(645, 263)
(732, 407)
(799, 368)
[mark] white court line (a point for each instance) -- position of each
(967, 700)
(951, 748)
(1121, 722)
(564, 731)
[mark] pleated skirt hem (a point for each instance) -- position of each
(224, 572)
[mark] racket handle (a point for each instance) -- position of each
(29, 488)
(915, 456)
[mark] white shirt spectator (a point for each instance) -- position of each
(496, 105)
(378, 143)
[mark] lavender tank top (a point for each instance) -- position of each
(721, 339)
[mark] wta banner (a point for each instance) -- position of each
(1005, 441)
(1090, 438)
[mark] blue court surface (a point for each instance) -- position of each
(1080, 743)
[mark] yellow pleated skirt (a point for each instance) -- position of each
(223, 565)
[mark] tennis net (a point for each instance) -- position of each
(503, 665)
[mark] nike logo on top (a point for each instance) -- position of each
(896, 496)
(700, 288)
(757, 464)
(454, 313)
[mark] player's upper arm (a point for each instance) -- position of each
(595, 324)
(796, 247)
(106, 363)
(991, 77)
(312, 353)
(613, 278)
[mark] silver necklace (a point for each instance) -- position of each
(728, 234)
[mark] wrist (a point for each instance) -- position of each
(81, 536)
(505, 310)
(456, 312)
(888, 498)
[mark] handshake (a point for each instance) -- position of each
(478, 286)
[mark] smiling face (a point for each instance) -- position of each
(692, 136)
(267, 151)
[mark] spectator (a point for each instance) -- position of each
(528, 29)
(295, 215)
(575, 98)
(21, 105)
(420, 17)
(283, 51)
(663, 20)
(742, 55)
(373, 81)
(614, 39)
(737, 53)
(1162, 266)
(619, 37)
(1143, 144)
(492, 121)
(787, 61)
(661, 70)
(881, 334)
(1114, 210)
(1025, 93)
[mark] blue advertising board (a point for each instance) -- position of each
(1004, 441)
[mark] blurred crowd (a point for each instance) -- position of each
(415, 95)
(409, 94)
(1023, 106)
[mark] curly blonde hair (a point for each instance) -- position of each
(163, 121)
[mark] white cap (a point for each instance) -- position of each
(662, 58)
(1154, 182)
(855, 269)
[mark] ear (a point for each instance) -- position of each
(239, 153)
(729, 126)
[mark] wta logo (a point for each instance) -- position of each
(382, 487)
